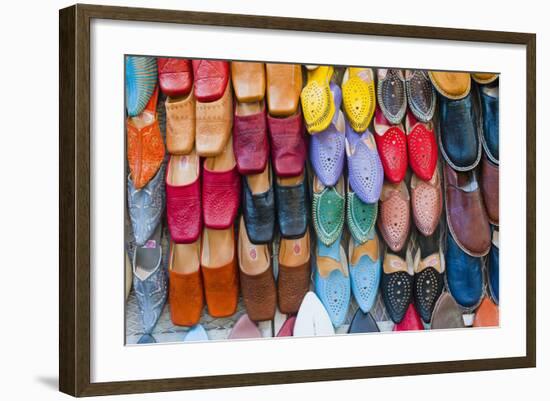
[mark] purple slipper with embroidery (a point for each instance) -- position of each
(366, 174)
(327, 148)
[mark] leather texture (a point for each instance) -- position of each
(359, 97)
(426, 203)
(211, 78)
(487, 315)
(328, 212)
(288, 147)
(466, 216)
(396, 287)
(363, 323)
(221, 194)
(334, 290)
(259, 294)
(292, 209)
(146, 206)
(484, 78)
(284, 84)
(292, 284)
(175, 76)
(221, 289)
(259, 214)
(183, 211)
(392, 97)
(214, 121)
(140, 81)
(451, 85)
(490, 125)
(365, 171)
(395, 217)
(317, 99)
(411, 321)
(365, 267)
(248, 81)
(327, 148)
(360, 216)
(180, 124)
(422, 149)
(464, 275)
(489, 184)
(460, 144)
(428, 286)
(421, 95)
(447, 313)
(250, 142)
(392, 148)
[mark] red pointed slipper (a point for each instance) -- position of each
(221, 189)
(175, 76)
(422, 147)
(411, 321)
(392, 147)
(287, 329)
(210, 79)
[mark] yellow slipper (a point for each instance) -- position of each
(484, 78)
(359, 97)
(317, 101)
(452, 85)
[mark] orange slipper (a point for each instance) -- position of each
(484, 78)
(284, 84)
(144, 143)
(186, 296)
(452, 85)
(487, 314)
(214, 121)
(219, 270)
(248, 81)
(180, 124)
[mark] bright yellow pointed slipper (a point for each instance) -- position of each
(317, 102)
(359, 97)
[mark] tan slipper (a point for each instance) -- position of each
(180, 124)
(452, 85)
(248, 81)
(284, 84)
(484, 78)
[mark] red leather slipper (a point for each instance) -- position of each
(210, 79)
(250, 137)
(175, 76)
(392, 147)
(422, 147)
(288, 147)
(411, 321)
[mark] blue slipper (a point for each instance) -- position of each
(197, 333)
(141, 78)
(365, 271)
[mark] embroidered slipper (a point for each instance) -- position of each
(294, 275)
(221, 189)
(183, 198)
(359, 96)
(411, 321)
(421, 95)
(180, 124)
(175, 76)
(452, 85)
(392, 97)
(396, 286)
(427, 203)
(244, 328)
(395, 217)
(284, 83)
(422, 147)
(328, 210)
(484, 78)
(140, 82)
(365, 266)
(312, 319)
(248, 81)
(392, 147)
(211, 78)
(214, 121)
(145, 147)
(256, 277)
(365, 171)
(327, 148)
(317, 99)
(332, 280)
(219, 271)
(360, 216)
(186, 295)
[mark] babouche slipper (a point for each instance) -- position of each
(411, 321)
(292, 205)
(360, 216)
(312, 319)
(248, 81)
(175, 76)
(180, 124)
(328, 210)
(392, 147)
(421, 95)
(397, 285)
(284, 83)
(211, 79)
(358, 92)
(244, 328)
(196, 333)
(446, 314)
(363, 323)
(317, 100)
(287, 329)
(451, 85)
(365, 266)
(426, 203)
(394, 215)
(259, 206)
(140, 82)
(422, 147)
(484, 78)
(487, 314)
(392, 97)
(250, 137)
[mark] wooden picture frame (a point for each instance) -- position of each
(74, 199)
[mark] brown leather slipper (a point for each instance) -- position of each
(452, 85)
(214, 121)
(180, 124)
(248, 81)
(284, 84)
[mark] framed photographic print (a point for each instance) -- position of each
(293, 196)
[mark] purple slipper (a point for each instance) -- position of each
(366, 174)
(327, 148)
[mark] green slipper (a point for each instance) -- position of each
(360, 216)
(329, 206)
